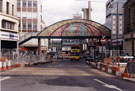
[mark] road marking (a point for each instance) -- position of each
(5, 78)
(107, 85)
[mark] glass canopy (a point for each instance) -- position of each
(75, 27)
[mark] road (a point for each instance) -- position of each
(62, 75)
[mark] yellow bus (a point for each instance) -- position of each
(75, 52)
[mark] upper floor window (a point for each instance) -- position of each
(29, 26)
(24, 4)
(35, 4)
(7, 25)
(18, 4)
(0, 5)
(7, 7)
(12, 9)
(41, 8)
(34, 26)
(29, 4)
(24, 26)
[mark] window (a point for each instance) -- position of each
(18, 14)
(7, 25)
(24, 26)
(41, 18)
(35, 4)
(24, 4)
(18, 4)
(41, 8)
(7, 7)
(29, 26)
(34, 26)
(29, 4)
(12, 9)
(24, 14)
(0, 5)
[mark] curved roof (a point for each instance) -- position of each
(76, 27)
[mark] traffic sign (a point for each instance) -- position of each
(103, 40)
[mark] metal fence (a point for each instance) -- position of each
(31, 56)
(10, 54)
(106, 53)
(23, 56)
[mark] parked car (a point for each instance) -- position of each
(85, 55)
(89, 59)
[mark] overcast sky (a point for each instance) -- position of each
(57, 10)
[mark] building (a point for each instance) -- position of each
(114, 21)
(9, 35)
(129, 27)
(31, 22)
(77, 16)
(87, 11)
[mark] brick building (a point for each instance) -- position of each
(129, 27)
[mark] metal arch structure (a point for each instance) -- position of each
(72, 29)
(75, 28)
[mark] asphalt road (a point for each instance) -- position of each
(62, 75)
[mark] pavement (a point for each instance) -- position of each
(62, 75)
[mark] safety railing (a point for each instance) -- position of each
(27, 35)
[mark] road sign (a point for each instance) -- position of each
(103, 40)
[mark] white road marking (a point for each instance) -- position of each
(107, 85)
(5, 78)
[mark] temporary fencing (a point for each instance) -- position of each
(28, 58)
(8, 57)
(129, 69)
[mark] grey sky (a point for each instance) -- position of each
(57, 10)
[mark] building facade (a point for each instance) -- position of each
(30, 14)
(115, 21)
(129, 27)
(31, 21)
(9, 23)
(87, 11)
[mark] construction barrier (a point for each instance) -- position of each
(107, 68)
(129, 70)
(115, 70)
